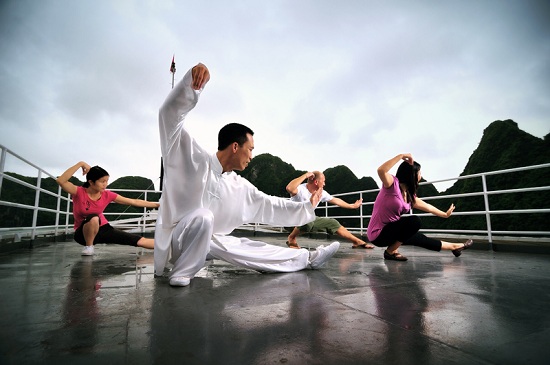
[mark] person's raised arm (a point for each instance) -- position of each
(343, 204)
(63, 180)
(180, 101)
(383, 170)
(136, 202)
(428, 208)
(292, 186)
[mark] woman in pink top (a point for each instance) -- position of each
(388, 228)
(89, 202)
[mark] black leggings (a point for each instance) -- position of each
(405, 230)
(107, 234)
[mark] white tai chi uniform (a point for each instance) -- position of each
(303, 195)
(200, 206)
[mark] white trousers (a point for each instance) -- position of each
(192, 242)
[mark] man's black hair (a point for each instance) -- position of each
(233, 132)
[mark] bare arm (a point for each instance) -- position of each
(343, 204)
(136, 202)
(385, 177)
(63, 180)
(428, 208)
(292, 186)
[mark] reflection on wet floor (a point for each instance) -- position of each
(481, 308)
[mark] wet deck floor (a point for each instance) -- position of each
(482, 308)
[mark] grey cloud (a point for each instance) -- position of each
(68, 64)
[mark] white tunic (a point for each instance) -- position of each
(303, 194)
(193, 182)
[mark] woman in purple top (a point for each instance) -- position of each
(397, 196)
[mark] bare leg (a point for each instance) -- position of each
(393, 247)
(392, 253)
(90, 230)
(146, 243)
(343, 232)
(292, 243)
(456, 248)
(450, 246)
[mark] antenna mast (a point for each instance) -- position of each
(173, 72)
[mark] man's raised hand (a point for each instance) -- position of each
(201, 76)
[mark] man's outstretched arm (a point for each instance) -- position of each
(343, 204)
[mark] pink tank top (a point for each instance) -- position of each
(83, 206)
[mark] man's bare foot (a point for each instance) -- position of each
(363, 245)
(292, 244)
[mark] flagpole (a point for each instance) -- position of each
(173, 72)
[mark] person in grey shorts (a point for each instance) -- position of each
(302, 192)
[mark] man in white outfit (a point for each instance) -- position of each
(203, 200)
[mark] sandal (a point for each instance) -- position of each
(363, 245)
(395, 256)
(292, 244)
(467, 245)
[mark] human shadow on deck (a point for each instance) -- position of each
(245, 319)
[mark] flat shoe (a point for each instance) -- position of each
(292, 245)
(467, 245)
(180, 281)
(323, 254)
(395, 256)
(364, 245)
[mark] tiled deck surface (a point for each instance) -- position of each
(485, 307)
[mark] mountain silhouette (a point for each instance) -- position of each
(502, 146)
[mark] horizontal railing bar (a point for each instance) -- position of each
(146, 220)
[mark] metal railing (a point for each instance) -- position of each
(485, 211)
(146, 221)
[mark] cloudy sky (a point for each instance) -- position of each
(321, 83)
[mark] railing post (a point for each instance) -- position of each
(57, 211)
(67, 215)
(487, 211)
(361, 213)
(2, 165)
(144, 214)
(36, 204)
